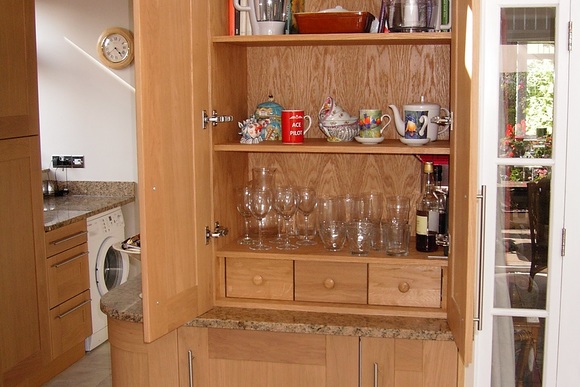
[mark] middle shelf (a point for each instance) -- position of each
(320, 145)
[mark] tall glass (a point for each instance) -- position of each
(286, 205)
(260, 205)
(243, 195)
(306, 205)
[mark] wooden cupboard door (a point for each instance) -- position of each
(407, 363)
(463, 174)
(172, 89)
(18, 83)
(64, 238)
(23, 299)
(230, 358)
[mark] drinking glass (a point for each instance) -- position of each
(286, 205)
(397, 209)
(373, 212)
(330, 209)
(260, 205)
(359, 236)
(306, 204)
(353, 207)
(333, 234)
(243, 195)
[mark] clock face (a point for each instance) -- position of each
(115, 47)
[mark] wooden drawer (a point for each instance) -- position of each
(396, 285)
(70, 323)
(331, 282)
(259, 278)
(65, 237)
(68, 274)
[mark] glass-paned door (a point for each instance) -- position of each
(522, 167)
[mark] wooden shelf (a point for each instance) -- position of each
(320, 145)
(430, 38)
(318, 252)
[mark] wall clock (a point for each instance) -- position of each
(116, 47)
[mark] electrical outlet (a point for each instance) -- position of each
(68, 161)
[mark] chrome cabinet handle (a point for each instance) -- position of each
(57, 265)
(73, 309)
(376, 376)
(481, 257)
(68, 238)
(190, 367)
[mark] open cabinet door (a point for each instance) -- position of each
(463, 176)
(172, 90)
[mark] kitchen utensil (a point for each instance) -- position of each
(266, 17)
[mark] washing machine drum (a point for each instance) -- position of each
(112, 267)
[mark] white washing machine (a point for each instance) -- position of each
(108, 267)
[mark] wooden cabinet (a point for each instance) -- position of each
(407, 363)
(67, 269)
(230, 358)
(188, 170)
(25, 342)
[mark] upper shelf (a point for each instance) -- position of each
(418, 38)
(320, 145)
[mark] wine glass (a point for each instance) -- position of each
(260, 205)
(243, 195)
(306, 204)
(286, 204)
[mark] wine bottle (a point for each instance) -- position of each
(427, 213)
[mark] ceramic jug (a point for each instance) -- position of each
(424, 115)
(267, 17)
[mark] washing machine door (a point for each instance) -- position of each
(112, 266)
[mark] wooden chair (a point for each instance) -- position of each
(539, 218)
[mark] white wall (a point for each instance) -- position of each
(85, 108)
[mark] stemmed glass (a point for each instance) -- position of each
(243, 195)
(306, 204)
(286, 204)
(260, 205)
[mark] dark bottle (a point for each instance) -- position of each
(441, 193)
(427, 213)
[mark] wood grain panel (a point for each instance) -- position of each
(290, 348)
(67, 274)
(397, 74)
(331, 282)
(405, 286)
(439, 363)
(260, 278)
(379, 351)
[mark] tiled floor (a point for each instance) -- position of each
(93, 370)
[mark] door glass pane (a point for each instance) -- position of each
(518, 347)
(526, 82)
(523, 227)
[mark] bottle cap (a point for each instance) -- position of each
(428, 168)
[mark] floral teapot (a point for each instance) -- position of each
(419, 121)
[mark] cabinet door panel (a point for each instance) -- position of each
(68, 274)
(260, 278)
(463, 174)
(174, 161)
(18, 83)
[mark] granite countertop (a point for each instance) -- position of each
(124, 303)
(85, 199)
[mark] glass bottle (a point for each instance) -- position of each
(441, 193)
(427, 213)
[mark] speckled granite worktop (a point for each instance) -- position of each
(85, 199)
(123, 303)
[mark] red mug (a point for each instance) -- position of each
(293, 130)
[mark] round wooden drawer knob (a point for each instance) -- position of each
(404, 287)
(329, 283)
(258, 280)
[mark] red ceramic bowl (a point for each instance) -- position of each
(333, 22)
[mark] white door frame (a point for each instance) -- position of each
(479, 374)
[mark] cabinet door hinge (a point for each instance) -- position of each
(218, 232)
(570, 36)
(563, 249)
(214, 119)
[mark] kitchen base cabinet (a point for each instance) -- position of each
(140, 364)
(408, 363)
(237, 358)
